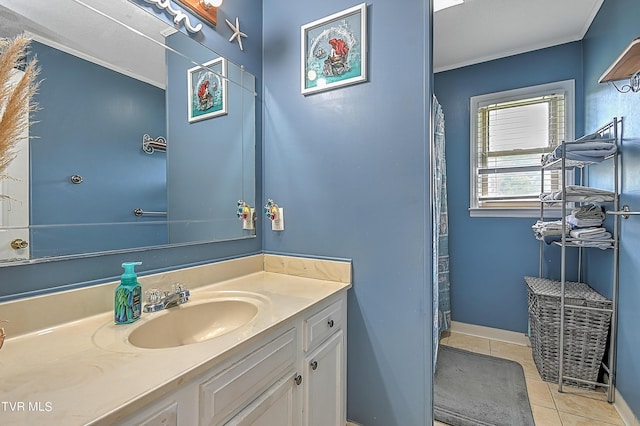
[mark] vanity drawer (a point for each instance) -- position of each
(233, 388)
(322, 325)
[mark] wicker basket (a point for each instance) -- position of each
(585, 336)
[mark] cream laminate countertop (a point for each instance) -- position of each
(86, 372)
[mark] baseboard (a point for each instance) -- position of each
(624, 411)
(490, 333)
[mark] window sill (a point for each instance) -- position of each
(549, 213)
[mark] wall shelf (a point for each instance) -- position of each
(627, 64)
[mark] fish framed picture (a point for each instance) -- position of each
(334, 51)
(207, 90)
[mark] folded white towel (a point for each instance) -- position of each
(583, 223)
(580, 194)
(542, 229)
(591, 233)
(588, 211)
(597, 244)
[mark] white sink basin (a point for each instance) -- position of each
(193, 323)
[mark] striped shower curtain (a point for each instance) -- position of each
(440, 240)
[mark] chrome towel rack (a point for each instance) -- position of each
(625, 212)
(140, 212)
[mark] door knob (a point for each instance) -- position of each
(19, 243)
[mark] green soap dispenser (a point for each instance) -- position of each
(128, 298)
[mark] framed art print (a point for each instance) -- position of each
(334, 51)
(207, 90)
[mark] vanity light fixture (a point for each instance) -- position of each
(210, 3)
(626, 66)
(205, 9)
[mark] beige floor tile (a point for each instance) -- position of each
(572, 420)
(589, 406)
(530, 370)
(599, 393)
(544, 416)
(470, 343)
(510, 351)
(539, 394)
(573, 407)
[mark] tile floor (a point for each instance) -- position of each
(573, 407)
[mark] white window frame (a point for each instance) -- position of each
(566, 86)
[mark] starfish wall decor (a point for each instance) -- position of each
(237, 34)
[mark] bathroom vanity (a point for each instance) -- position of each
(280, 360)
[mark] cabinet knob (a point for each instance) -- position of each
(297, 379)
(19, 244)
(330, 323)
(313, 364)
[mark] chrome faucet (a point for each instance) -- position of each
(157, 300)
(170, 300)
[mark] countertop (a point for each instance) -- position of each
(85, 371)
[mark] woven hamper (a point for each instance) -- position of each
(585, 336)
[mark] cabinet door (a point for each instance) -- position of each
(277, 406)
(178, 408)
(164, 416)
(324, 384)
(232, 389)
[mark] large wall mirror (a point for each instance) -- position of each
(133, 117)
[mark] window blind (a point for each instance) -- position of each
(511, 138)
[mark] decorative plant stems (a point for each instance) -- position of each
(15, 99)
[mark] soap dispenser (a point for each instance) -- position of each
(128, 298)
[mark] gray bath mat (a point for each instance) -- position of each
(471, 389)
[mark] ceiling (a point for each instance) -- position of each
(481, 30)
(81, 26)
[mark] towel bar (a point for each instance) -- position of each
(625, 213)
(140, 212)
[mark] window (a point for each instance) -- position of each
(510, 131)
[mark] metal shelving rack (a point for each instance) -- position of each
(611, 130)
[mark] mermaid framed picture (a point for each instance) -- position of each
(207, 90)
(334, 51)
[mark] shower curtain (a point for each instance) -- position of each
(440, 240)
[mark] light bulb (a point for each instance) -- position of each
(211, 3)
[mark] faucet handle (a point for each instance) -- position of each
(178, 287)
(153, 296)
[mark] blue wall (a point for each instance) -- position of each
(90, 122)
(612, 30)
(349, 167)
(207, 154)
(490, 256)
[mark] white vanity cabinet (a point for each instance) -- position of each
(324, 392)
(232, 389)
(178, 408)
(325, 366)
(294, 376)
